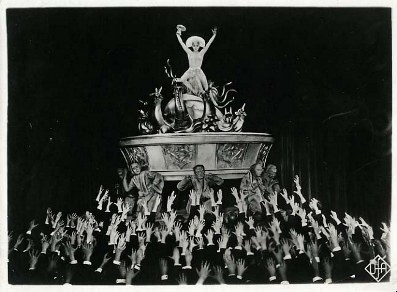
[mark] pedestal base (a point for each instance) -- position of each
(228, 155)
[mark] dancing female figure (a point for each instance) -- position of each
(194, 78)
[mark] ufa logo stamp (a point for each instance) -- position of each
(378, 268)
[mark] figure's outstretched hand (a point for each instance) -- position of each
(218, 275)
(87, 249)
(201, 212)
(284, 194)
(297, 183)
(19, 241)
(241, 268)
(97, 198)
(214, 30)
(191, 228)
(32, 225)
(180, 28)
(182, 280)
(106, 258)
(130, 275)
(192, 196)
(149, 231)
(235, 193)
(210, 236)
(188, 258)
(219, 195)
(203, 272)
(33, 258)
(271, 267)
(170, 201)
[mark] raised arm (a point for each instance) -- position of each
(127, 186)
(204, 50)
(185, 184)
(185, 48)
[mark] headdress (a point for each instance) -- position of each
(194, 39)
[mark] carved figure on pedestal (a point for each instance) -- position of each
(201, 183)
(253, 188)
(148, 183)
(269, 180)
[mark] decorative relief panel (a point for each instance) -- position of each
(179, 156)
(264, 151)
(230, 155)
(136, 155)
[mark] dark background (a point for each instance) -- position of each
(318, 79)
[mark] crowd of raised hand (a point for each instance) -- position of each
(292, 242)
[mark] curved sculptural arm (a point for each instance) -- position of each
(204, 50)
(185, 48)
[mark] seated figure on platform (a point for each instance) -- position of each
(201, 183)
(253, 188)
(194, 78)
(149, 184)
(270, 182)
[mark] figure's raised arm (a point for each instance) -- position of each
(204, 50)
(127, 186)
(185, 48)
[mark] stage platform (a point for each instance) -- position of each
(174, 155)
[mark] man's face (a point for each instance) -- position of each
(199, 172)
(135, 169)
(272, 172)
(258, 169)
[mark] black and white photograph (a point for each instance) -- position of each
(207, 145)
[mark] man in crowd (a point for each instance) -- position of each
(307, 246)
(130, 197)
(269, 180)
(148, 183)
(201, 183)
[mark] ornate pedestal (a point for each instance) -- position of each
(228, 155)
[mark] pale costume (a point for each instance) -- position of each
(201, 186)
(252, 186)
(194, 78)
(150, 185)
